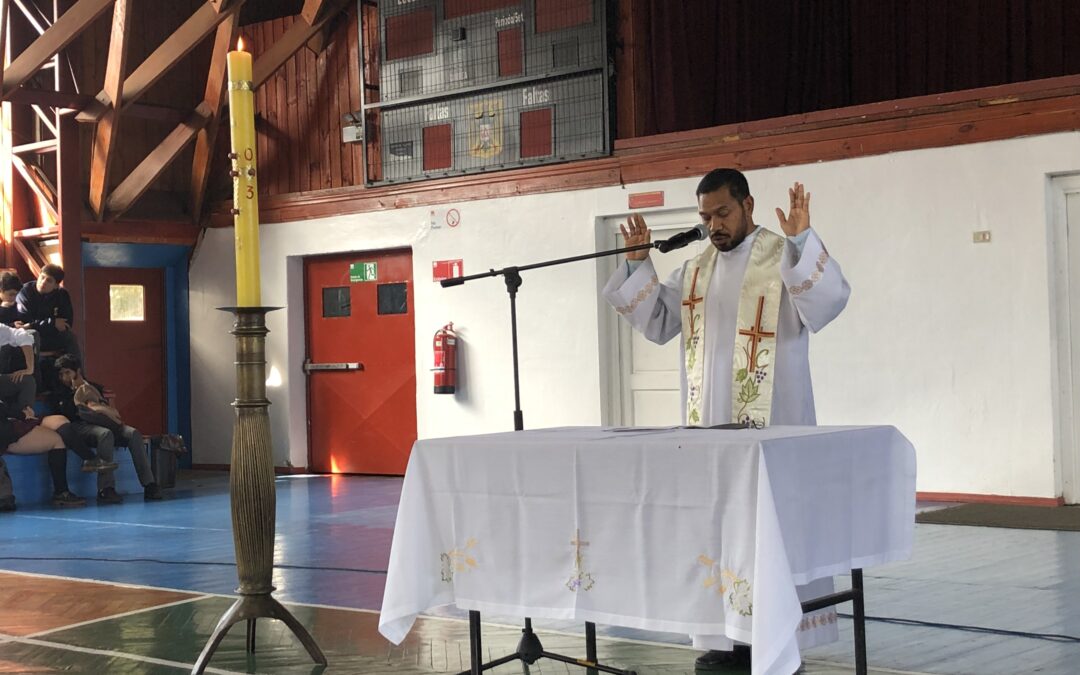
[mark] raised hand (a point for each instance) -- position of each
(635, 233)
(798, 216)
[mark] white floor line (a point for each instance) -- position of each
(112, 654)
(119, 584)
(872, 668)
(126, 524)
(117, 616)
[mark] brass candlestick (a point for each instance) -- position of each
(252, 495)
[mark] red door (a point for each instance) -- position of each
(361, 362)
(125, 341)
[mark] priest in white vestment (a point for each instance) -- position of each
(744, 310)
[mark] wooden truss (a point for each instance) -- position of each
(119, 98)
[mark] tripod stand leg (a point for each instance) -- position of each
(590, 646)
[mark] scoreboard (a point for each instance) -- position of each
(463, 86)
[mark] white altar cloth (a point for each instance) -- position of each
(681, 530)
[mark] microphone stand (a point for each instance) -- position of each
(529, 648)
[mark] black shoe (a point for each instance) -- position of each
(152, 493)
(109, 496)
(718, 661)
(97, 464)
(67, 499)
(7, 504)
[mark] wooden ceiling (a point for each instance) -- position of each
(117, 51)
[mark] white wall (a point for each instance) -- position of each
(945, 339)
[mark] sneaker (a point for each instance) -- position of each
(152, 493)
(97, 464)
(109, 496)
(67, 498)
(7, 504)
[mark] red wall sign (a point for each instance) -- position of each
(641, 200)
(446, 269)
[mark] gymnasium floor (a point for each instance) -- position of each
(972, 601)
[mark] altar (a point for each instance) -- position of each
(684, 530)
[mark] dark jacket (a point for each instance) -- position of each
(40, 312)
(10, 315)
(63, 401)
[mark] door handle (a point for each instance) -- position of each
(310, 367)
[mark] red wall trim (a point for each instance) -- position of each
(988, 499)
(957, 118)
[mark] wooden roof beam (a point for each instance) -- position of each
(139, 180)
(39, 184)
(4, 18)
(34, 260)
(214, 97)
(176, 46)
(55, 38)
(105, 135)
(310, 11)
(293, 39)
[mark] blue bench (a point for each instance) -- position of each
(33, 485)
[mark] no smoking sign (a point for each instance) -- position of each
(453, 217)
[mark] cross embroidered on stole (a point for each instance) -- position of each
(759, 306)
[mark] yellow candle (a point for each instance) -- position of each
(245, 186)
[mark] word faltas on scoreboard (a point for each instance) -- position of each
(535, 96)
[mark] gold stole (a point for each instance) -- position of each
(755, 343)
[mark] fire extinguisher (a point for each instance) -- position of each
(445, 345)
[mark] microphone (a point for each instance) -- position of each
(683, 238)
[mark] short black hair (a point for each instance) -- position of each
(69, 361)
(732, 179)
(54, 271)
(9, 281)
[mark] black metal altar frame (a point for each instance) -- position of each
(530, 649)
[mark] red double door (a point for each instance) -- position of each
(360, 364)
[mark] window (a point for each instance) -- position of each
(127, 302)
(393, 299)
(336, 302)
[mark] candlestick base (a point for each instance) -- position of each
(252, 495)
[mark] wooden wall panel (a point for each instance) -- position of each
(299, 112)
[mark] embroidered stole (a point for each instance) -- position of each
(755, 343)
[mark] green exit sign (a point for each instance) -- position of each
(363, 271)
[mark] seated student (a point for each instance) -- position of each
(17, 386)
(100, 424)
(17, 391)
(46, 307)
(21, 435)
(12, 357)
(9, 290)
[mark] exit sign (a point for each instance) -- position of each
(363, 271)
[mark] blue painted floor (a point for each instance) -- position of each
(972, 600)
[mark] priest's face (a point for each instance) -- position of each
(728, 219)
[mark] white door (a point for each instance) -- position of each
(1065, 251)
(647, 374)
